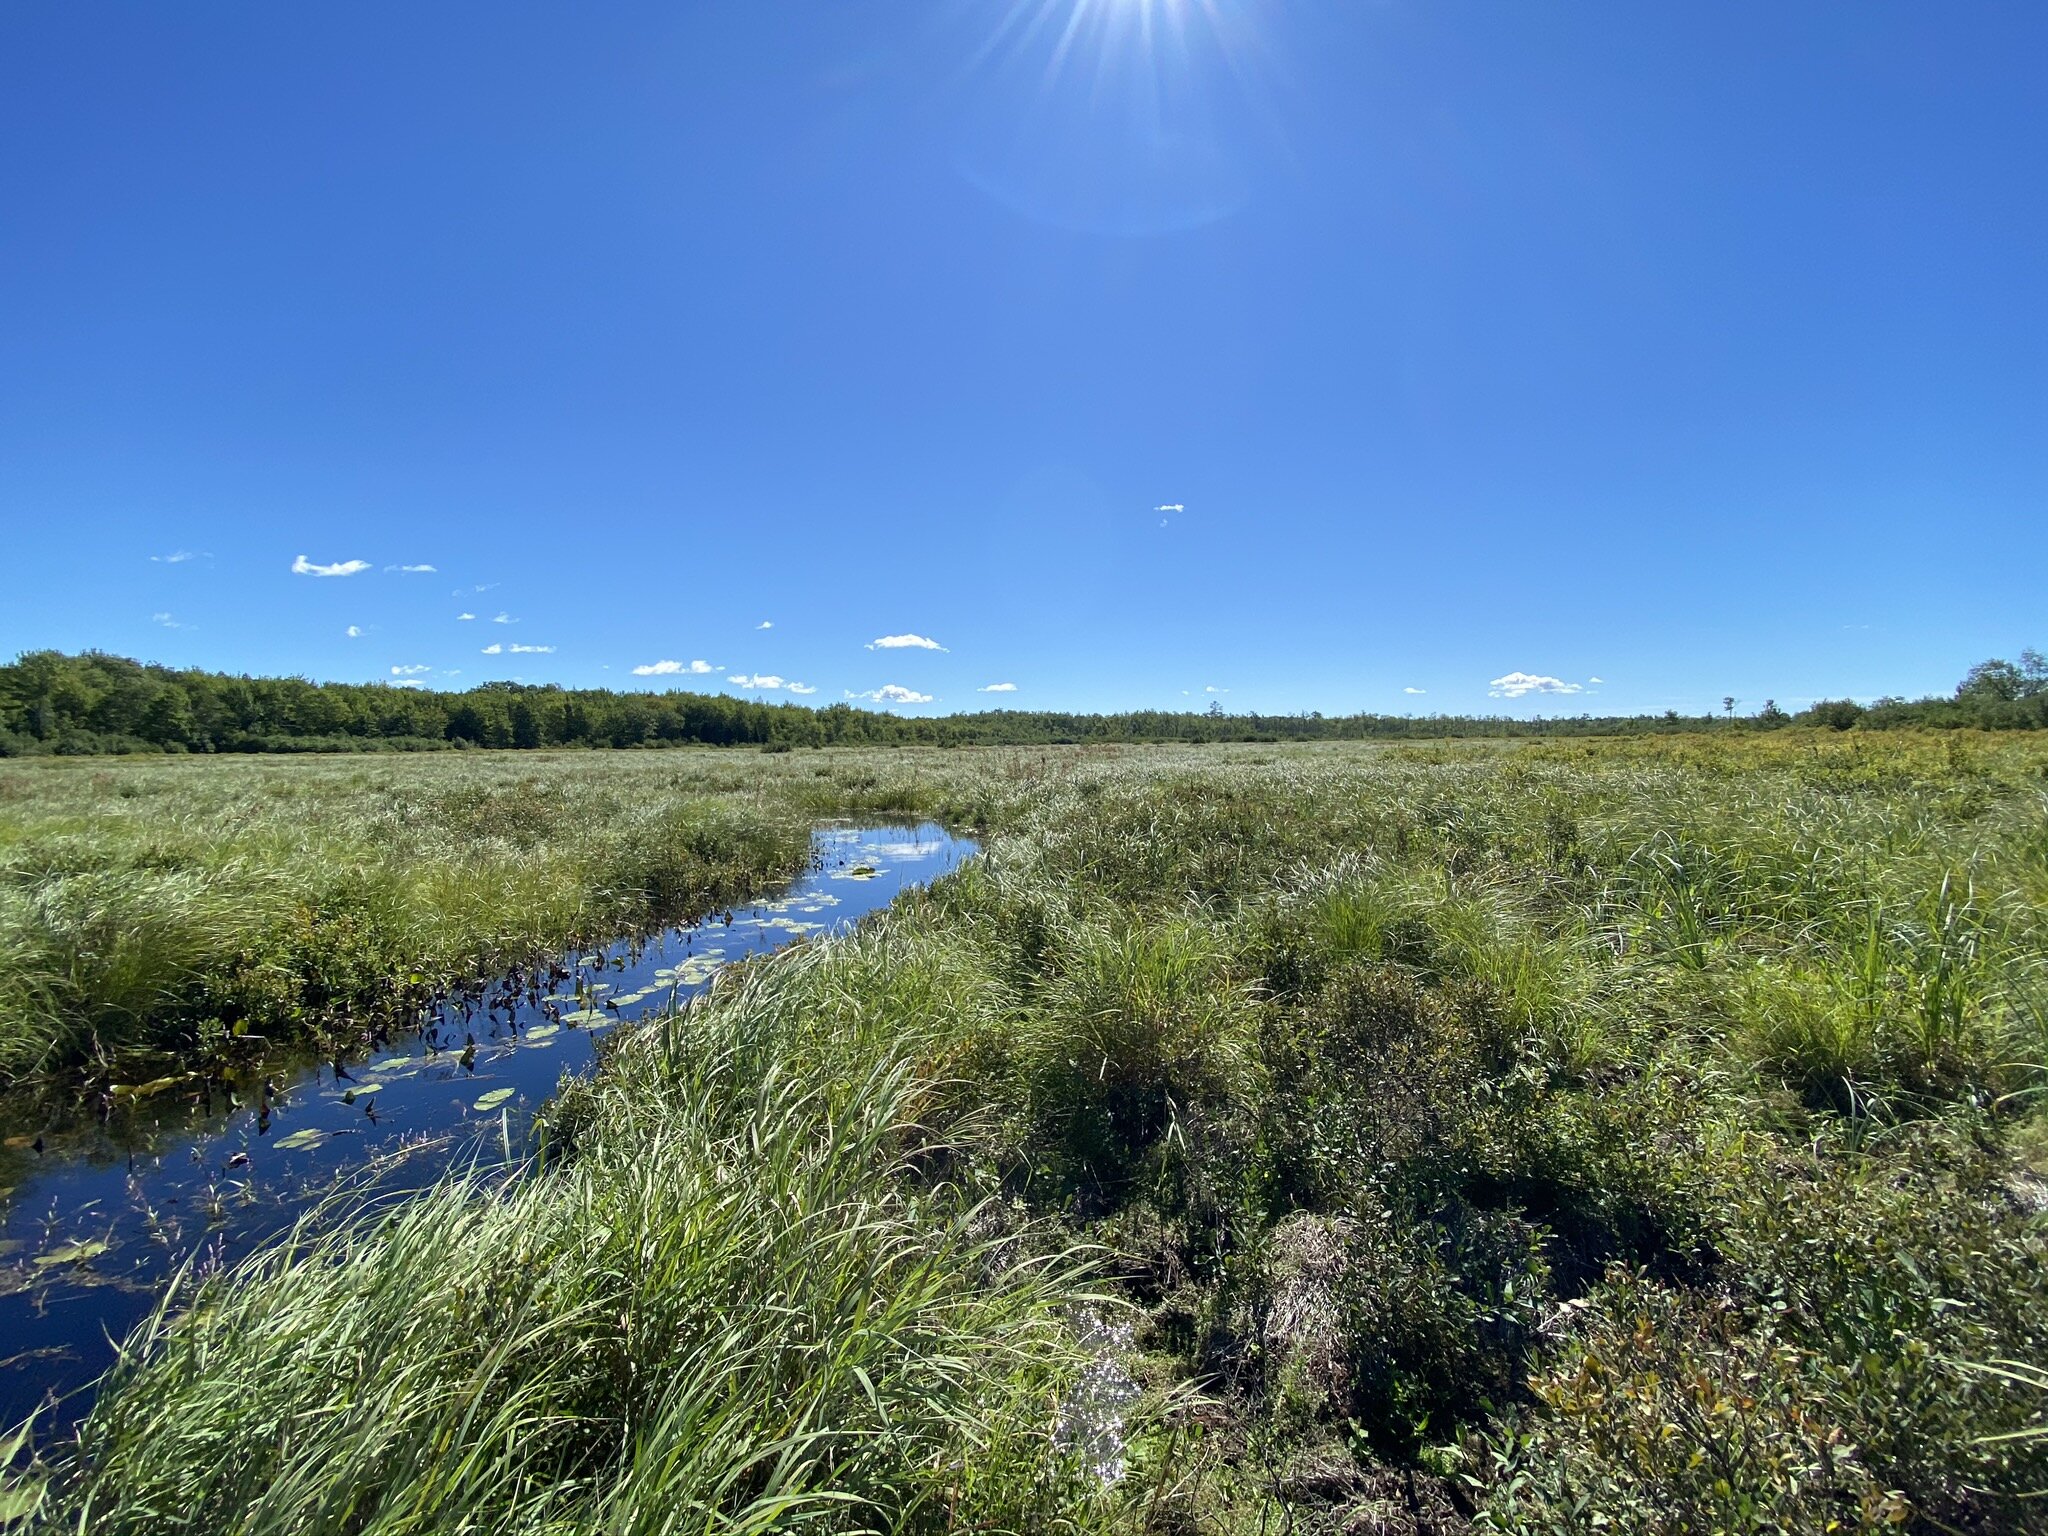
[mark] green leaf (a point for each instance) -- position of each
(19, 1500)
(71, 1253)
(494, 1098)
(302, 1140)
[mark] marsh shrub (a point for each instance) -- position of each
(1674, 1415)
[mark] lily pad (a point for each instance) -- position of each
(302, 1140)
(146, 1090)
(71, 1253)
(542, 1031)
(583, 1016)
(494, 1098)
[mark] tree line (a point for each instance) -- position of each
(51, 702)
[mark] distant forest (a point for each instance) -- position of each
(96, 703)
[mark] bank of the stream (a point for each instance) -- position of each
(94, 1223)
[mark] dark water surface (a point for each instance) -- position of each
(89, 1231)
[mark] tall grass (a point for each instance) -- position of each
(149, 910)
(729, 1309)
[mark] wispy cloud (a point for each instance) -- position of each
(354, 631)
(408, 682)
(412, 570)
(1169, 506)
(462, 616)
(409, 671)
(1212, 688)
(1415, 690)
(179, 557)
(1519, 684)
(904, 642)
(504, 618)
(494, 649)
(765, 624)
(1596, 680)
(531, 650)
(167, 621)
(998, 688)
(768, 681)
(301, 566)
(893, 693)
(671, 668)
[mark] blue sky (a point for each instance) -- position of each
(1696, 348)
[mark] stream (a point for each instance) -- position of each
(90, 1231)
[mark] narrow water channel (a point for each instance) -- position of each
(89, 1232)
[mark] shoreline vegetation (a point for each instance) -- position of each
(1637, 1135)
(95, 703)
(158, 925)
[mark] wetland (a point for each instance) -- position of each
(1632, 1135)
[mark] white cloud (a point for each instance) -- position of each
(1596, 679)
(504, 618)
(412, 570)
(461, 616)
(893, 693)
(301, 566)
(1517, 684)
(179, 557)
(494, 649)
(1415, 690)
(1170, 506)
(998, 688)
(531, 650)
(408, 682)
(768, 680)
(1212, 688)
(354, 632)
(901, 642)
(167, 621)
(409, 671)
(671, 668)
(765, 624)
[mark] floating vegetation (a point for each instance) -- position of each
(493, 1099)
(80, 1252)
